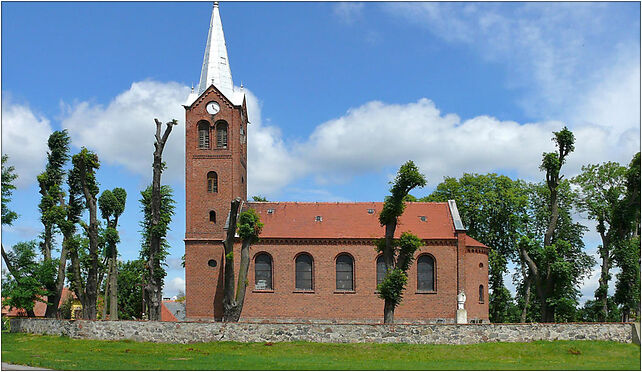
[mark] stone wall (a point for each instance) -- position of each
(189, 332)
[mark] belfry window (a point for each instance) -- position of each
(221, 135)
(212, 182)
(303, 280)
(345, 273)
(425, 273)
(203, 135)
(263, 271)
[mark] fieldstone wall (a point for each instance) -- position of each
(189, 332)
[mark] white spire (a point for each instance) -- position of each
(216, 66)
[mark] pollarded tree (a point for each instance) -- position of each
(155, 257)
(397, 253)
(601, 189)
(112, 205)
(84, 173)
(249, 229)
(157, 228)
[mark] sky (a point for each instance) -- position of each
(339, 95)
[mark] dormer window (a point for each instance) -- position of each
(270, 211)
(370, 211)
(318, 218)
(423, 218)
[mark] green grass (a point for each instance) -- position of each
(65, 353)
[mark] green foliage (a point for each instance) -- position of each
(407, 179)
(130, 275)
(249, 226)
(259, 198)
(229, 256)
(627, 286)
(493, 208)
(392, 286)
(85, 163)
(8, 176)
(65, 307)
(160, 230)
(406, 245)
(592, 309)
(26, 288)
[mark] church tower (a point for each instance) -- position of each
(215, 170)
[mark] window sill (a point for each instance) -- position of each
(426, 292)
(263, 290)
(303, 291)
(481, 302)
(345, 292)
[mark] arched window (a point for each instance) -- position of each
(345, 273)
(263, 271)
(381, 269)
(212, 216)
(203, 135)
(221, 135)
(212, 182)
(425, 273)
(481, 294)
(304, 278)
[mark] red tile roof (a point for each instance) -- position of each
(166, 315)
(352, 220)
(39, 308)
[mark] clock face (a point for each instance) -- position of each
(213, 107)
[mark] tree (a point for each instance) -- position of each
(155, 260)
(112, 205)
(24, 287)
(493, 208)
(549, 268)
(562, 266)
(130, 278)
(8, 176)
(249, 229)
(85, 164)
(602, 187)
(157, 229)
(627, 251)
(259, 198)
(397, 253)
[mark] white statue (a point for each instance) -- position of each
(461, 299)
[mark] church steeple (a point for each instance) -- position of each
(216, 65)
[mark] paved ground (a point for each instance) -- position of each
(15, 367)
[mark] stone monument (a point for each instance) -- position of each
(462, 315)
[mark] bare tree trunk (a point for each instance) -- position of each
(106, 291)
(228, 290)
(527, 295)
(388, 259)
(113, 284)
(154, 287)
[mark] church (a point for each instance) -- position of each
(315, 262)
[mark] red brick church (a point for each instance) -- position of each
(315, 261)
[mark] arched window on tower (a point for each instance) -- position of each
(303, 275)
(426, 273)
(203, 134)
(212, 182)
(381, 269)
(263, 271)
(212, 216)
(481, 294)
(221, 135)
(345, 273)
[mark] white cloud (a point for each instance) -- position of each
(24, 139)
(348, 12)
(123, 131)
(173, 286)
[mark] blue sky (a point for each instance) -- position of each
(339, 94)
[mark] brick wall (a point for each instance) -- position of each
(283, 301)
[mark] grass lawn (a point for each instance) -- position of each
(64, 353)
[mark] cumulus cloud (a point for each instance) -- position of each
(24, 139)
(122, 132)
(173, 286)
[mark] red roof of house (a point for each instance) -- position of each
(39, 308)
(166, 315)
(352, 220)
